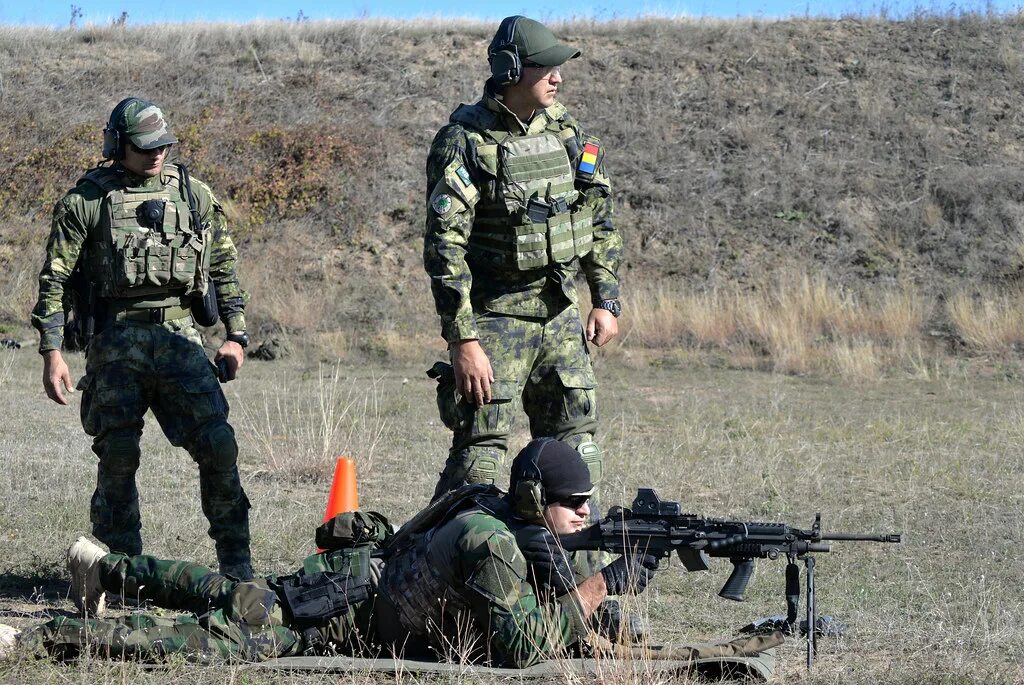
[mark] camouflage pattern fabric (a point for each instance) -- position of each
(527, 322)
(466, 284)
(149, 637)
(543, 364)
(145, 125)
(228, 619)
(76, 218)
(133, 367)
(488, 612)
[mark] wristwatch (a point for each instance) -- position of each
(613, 306)
(240, 337)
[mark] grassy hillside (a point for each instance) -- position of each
(878, 154)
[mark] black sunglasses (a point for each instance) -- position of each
(154, 150)
(574, 501)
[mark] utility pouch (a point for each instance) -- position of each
(537, 211)
(447, 400)
(318, 597)
(353, 529)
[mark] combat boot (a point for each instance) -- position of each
(8, 639)
(84, 566)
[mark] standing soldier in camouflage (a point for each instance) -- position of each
(518, 204)
(146, 249)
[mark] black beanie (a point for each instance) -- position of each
(560, 469)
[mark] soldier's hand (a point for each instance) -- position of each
(473, 373)
(602, 326)
(550, 570)
(629, 574)
(56, 377)
(233, 356)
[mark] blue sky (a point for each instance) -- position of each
(58, 12)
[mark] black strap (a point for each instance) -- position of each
(193, 205)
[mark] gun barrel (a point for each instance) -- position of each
(882, 537)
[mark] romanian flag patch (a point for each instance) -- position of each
(588, 162)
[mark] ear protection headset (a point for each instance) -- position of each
(506, 64)
(114, 135)
(529, 494)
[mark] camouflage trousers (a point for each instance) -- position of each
(545, 365)
(132, 367)
(229, 620)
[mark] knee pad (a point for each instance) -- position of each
(215, 450)
(483, 469)
(119, 452)
(593, 457)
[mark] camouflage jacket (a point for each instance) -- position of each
(76, 218)
(464, 287)
(483, 608)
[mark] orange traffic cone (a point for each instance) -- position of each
(344, 496)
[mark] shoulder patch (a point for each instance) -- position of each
(463, 174)
(442, 204)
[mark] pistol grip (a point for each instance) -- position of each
(742, 570)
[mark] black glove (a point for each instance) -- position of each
(630, 574)
(550, 571)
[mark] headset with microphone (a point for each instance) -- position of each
(506, 63)
(115, 134)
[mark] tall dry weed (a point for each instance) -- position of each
(800, 323)
(300, 426)
(855, 359)
(992, 323)
(6, 366)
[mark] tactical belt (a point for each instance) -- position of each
(149, 314)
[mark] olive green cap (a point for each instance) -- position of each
(534, 41)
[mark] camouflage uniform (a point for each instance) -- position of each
(147, 353)
(462, 588)
(522, 307)
(228, 619)
(455, 588)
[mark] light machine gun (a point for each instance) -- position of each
(656, 527)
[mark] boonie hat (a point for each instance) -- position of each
(535, 42)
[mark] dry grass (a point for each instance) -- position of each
(993, 322)
(938, 460)
(800, 324)
(300, 425)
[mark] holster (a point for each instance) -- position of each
(314, 598)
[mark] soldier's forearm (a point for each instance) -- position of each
(591, 592)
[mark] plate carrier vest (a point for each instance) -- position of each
(535, 216)
(129, 260)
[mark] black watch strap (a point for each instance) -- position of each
(240, 337)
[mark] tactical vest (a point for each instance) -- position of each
(130, 260)
(421, 597)
(535, 216)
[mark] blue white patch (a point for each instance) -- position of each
(442, 204)
(463, 175)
